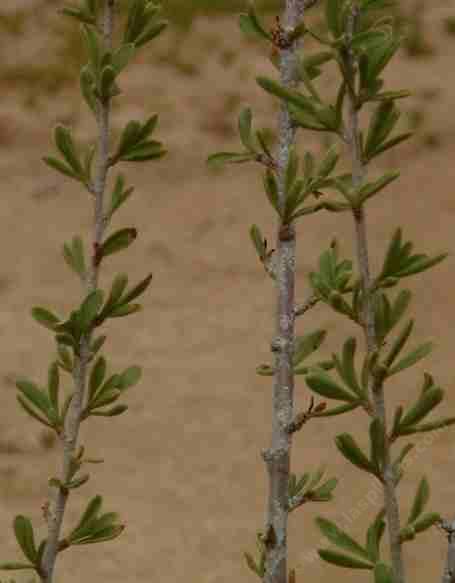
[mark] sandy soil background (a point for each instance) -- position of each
(183, 466)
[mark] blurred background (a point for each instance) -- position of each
(183, 465)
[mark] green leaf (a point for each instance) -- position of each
(316, 477)
(327, 116)
(399, 343)
(420, 263)
(144, 151)
(130, 377)
(118, 241)
(377, 442)
(378, 58)
(302, 481)
(425, 404)
(298, 99)
(333, 10)
(342, 560)
(328, 163)
(30, 411)
(314, 60)
(306, 120)
(426, 521)
(106, 534)
(306, 77)
(37, 397)
(367, 38)
(258, 241)
(324, 492)
(89, 309)
(108, 75)
(323, 385)
(15, 566)
(103, 398)
(216, 160)
(392, 258)
(150, 33)
(370, 189)
(383, 573)
(53, 384)
(374, 535)
(291, 170)
(387, 95)
(250, 25)
(352, 452)
(122, 56)
(60, 166)
(89, 515)
(306, 345)
(88, 85)
(382, 123)
(400, 305)
(97, 344)
(390, 144)
(65, 144)
(66, 405)
(45, 317)
(348, 367)
(421, 352)
(137, 290)
(93, 46)
(396, 419)
(128, 138)
(338, 410)
(65, 362)
(411, 429)
(80, 15)
(386, 315)
(340, 538)
(308, 166)
(23, 531)
(245, 121)
(119, 194)
(118, 287)
(251, 564)
(112, 412)
(124, 310)
(97, 376)
(67, 340)
(420, 500)
(78, 482)
(271, 189)
(136, 20)
(74, 256)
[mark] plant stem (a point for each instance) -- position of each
(277, 457)
(449, 569)
(358, 176)
(73, 418)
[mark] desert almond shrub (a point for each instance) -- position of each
(360, 39)
(92, 392)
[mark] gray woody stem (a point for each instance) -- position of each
(73, 417)
(277, 457)
(358, 176)
(449, 569)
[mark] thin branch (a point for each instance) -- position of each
(377, 391)
(277, 458)
(307, 305)
(449, 569)
(73, 417)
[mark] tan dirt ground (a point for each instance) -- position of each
(183, 466)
